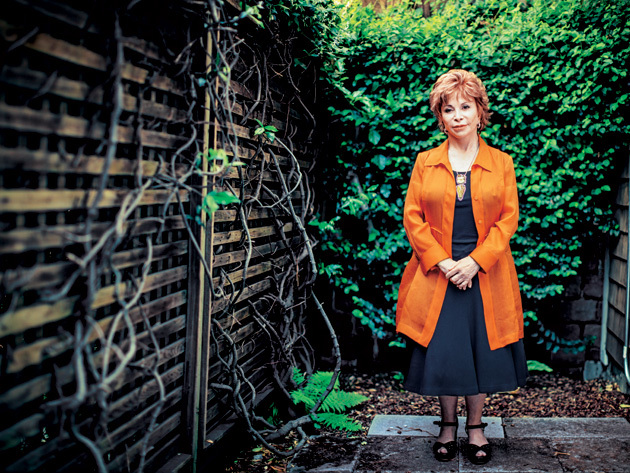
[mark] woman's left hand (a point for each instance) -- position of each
(463, 272)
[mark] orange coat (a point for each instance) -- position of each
(428, 220)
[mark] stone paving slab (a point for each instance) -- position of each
(341, 456)
(594, 455)
(389, 454)
(423, 426)
(515, 456)
(560, 427)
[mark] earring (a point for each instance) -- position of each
(479, 126)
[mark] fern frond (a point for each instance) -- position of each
(300, 397)
(297, 376)
(339, 401)
(338, 421)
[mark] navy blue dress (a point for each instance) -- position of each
(458, 360)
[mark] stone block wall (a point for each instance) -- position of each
(577, 315)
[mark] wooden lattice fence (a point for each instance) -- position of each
(108, 355)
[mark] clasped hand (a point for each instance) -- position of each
(460, 273)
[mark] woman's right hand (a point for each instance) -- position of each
(446, 264)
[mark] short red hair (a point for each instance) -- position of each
(462, 82)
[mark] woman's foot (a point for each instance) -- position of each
(478, 449)
(445, 448)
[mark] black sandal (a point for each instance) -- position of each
(451, 447)
(472, 450)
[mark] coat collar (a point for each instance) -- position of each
(440, 156)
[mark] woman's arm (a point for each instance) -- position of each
(500, 232)
(426, 248)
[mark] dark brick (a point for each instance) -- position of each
(594, 287)
(593, 330)
(583, 311)
(563, 358)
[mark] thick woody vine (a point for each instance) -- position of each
(282, 315)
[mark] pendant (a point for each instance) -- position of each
(461, 186)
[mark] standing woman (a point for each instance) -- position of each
(459, 301)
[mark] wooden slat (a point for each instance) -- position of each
(614, 347)
(621, 214)
(12, 323)
(258, 232)
(82, 56)
(616, 323)
(170, 425)
(45, 161)
(223, 215)
(247, 135)
(237, 336)
(262, 268)
(622, 195)
(54, 275)
(224, 420)
(40, 121)
(251, 367)
(59, 11)
(60, 200)
(248, 292)
(247, 153)
(107, 295)
(618, 270)
(620, 249)
(257, 251)
(239, 111)
(139, 422)
(35, 353)
(38, 387)
(31, 426)
(75, 463)
(41, 350)
(40, 238)
(617, 297)
(18, 321)
(26, 428)
(235, 319)
(139, 396)
(75, 90)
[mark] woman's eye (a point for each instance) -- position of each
(466, 107)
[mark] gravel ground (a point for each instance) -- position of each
(546, 395)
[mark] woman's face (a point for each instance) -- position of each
(460, 116)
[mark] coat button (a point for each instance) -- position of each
(479, 221)
(476, 198)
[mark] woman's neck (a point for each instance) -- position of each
(462, 152)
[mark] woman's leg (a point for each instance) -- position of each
(448, 405)
(474, 408)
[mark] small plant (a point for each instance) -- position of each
(533, 365)
(331, 412)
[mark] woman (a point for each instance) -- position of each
(459, 301)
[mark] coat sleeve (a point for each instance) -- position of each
(425, 247)
(497, 241)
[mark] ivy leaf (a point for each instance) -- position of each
(374, 136)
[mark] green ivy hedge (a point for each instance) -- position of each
(557, 77)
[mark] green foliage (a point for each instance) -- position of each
(331, 412)
(533, 365)
(268, 130)
(557, 78)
